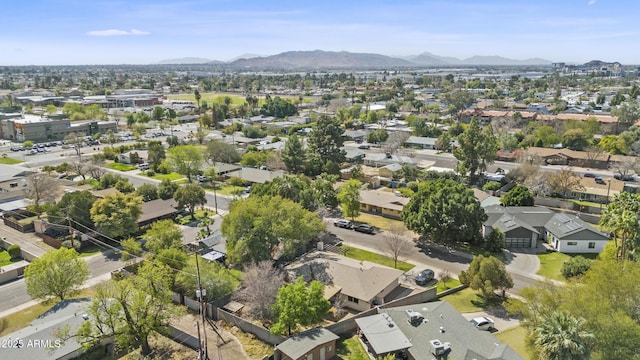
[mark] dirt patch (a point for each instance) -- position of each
(225, 346)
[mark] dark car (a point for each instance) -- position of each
(364, 147)
(589, 175)
(364, 228)
(623, 178)
(424, 277)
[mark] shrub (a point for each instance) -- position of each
(14, 251)
(492, 186)
(495, 242)
(576, 266)
(236, 181)
(151, 173)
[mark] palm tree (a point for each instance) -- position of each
(560, 336)
(620, 219)
(196, 93)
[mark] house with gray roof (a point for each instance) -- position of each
(422, 331)
(421, 142)
(382, 159)
(316, 343)
(255, 176)
(523, 226)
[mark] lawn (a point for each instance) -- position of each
(364, 255)
(514, 337)
(170, 176)
(551, 264)
(351, 349)
(379, 222)
(225, 189)
(9, 161)
(120, 166)
(5, 259)
(467, 300)
(235, 99)
(451, 283)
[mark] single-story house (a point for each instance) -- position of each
(255, 176)
(382, 203)
(355, 155)
(356, 135)
(600, 192)
(421, 142)
(222, 169)
(317, 343)
(157, 209)
(523, 226)
(570, 157)
(390, 170)
(362, 284)
(381, 159)
(432, 330)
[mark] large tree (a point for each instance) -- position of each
(58, 273)
(260, 284)
(163, 234)
(131, 309)
(186, 160)
(477, 149)
(41, 188)
(564, 181)
(77, 205)
(219, 151)
(457, 101)
(487, 274)
(620, 218)
(519, 195)
(299, 304)
(117, 215)
(256, 227)
(444, 211)
(561, 336)
(292, 187)
(190, 196)
(167, 189)
(293, 154)
(156, 154)
(215, 278)
(349, 198)
(324, 145)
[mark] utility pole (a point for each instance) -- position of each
(201, 294)
(71, 233)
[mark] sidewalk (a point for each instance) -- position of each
(27, 241)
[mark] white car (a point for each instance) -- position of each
(482, 323)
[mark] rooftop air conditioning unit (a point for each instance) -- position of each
(414, 317)
(439, 349)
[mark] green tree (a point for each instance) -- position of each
(293, 155)
(190, 196)
(197, 95)
(445, 211)
(323, 186)
(167, 189)
(495, 242)
(292, 187)
(130, 249)
(147, 192)
(175, 258)
(155, 154)
(163, 234)
(575, 266)
(324, 145)
(77, 205)
(356, 172)
(258, 226)
(124, 186)
(627, 113)
(561, 336)
(214, 277)
(132, 309)
(278, 107)
(519, 195)
(620, 219)
(59, 273)
(219, 151)
(487, 274)
(477, 150)
(186, 160)
(575, 139)
(457, 101)
(157, 113)
(349, 198)
(117, 215)
(377, 136)
(299, 304)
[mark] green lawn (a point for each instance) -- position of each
(5, 259)
(170, 176)
(379, 222)
(467, 300)
(451, 283)
(364, 255)
(587, 203)
(120, 166)
(235, 99)
(514, 337)
(225, 189)
(9, 161)
(351, 349)
(551, 264)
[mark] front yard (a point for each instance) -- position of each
(515, 337)
(5, 258)
(379, 222)
(120, 166)
(551, 264)
(364, 255)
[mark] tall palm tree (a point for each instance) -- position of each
(620, 219)
(560, 336)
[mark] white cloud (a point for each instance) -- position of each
(115, 32)
(591, 2)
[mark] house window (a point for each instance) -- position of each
(352, 299)
(329, 348)
(572, 243)
(592, 244)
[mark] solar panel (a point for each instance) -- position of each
(563, 218)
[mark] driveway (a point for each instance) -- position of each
(501, 320)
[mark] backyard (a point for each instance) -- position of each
(5, 258)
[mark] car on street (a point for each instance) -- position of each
(364, 147)
(345, 224)
(365, 228)
(589, 175)
(624, 178)
(482, 323)
(424, 277)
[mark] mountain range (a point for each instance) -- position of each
(344, 59)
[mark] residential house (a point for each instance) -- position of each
(601, 191)
(222, 169)
(317, 343)
(382, 203)
(157, 209)
(255, 176)
(523, 226)
(355, 155)
(381, 159)
(433, 330)
(13, 179)
(570, 157)
(361, 283)
(391, 171)
(356, 135)
(421, 142)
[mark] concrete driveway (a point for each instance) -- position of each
(501, 320)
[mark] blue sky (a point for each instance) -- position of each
(146, 31)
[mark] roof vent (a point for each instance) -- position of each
(415, 318)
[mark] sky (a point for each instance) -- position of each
(74, 32)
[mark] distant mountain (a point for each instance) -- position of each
(244, 56)
(185, 60)
(427, 58)
(321, 59)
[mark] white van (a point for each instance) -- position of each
(144, 166)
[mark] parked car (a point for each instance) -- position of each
(589, 175)
(144, 166)
(345, 224)
(624, 178)
(599, 180)
(365, 228)
(424, 277)
(202, 178)
(364, 147)
(482, 323)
